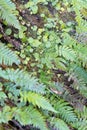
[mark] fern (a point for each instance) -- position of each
(25, 115)
(80, 73)
(7, 11)
(81, 52)
(67, 53)
(81, 38)
(81, 124)
(30, 115)
(80, 80)
(58, 124)
(6, 114)
(57, 50)
(7, 56)
(23, 79)
(65, 111)
(36, 99)
(26, 82)
(78, 5)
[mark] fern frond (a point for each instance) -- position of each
(79, 84)
(68, 40)
(80, 73)
(58, 124)
(7, 56)
(78, 5)
(67, 53)
(23, 79)
(81, 51)
(36, 99)
(65, 111)
(31, 116)
(6, 114)
(7, 8)
(25, 115)
(81, 125)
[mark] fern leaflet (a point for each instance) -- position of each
(30, 116)
(36, 99)
(58, 124)
(7, 9)
(23, 79)
(7, 56)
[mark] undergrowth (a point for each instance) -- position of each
(43, 64)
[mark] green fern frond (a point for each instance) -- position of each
(81, 52)
(81, 125)
(7, 56)
(78, 5)
(67, 53)
(58, 124)
(65, 111)
(80, 73)
(25, 115)
(6, 114)
(31, 116)
(68, 40)
(7, 9)
(80, 78)
(36, 99)
(79, 84)
(23, 79)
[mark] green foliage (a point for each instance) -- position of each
(23, 79)
(49, 68)
(24, 115)
(78, 5)
(20, 78)
(82, 123)
(8, 13)
(36, 99)
(7, 56)
(31, 116)
(65, 111)
(56, 123)
(67, 53)
(6, 114)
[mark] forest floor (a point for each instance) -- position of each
(29, 20)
